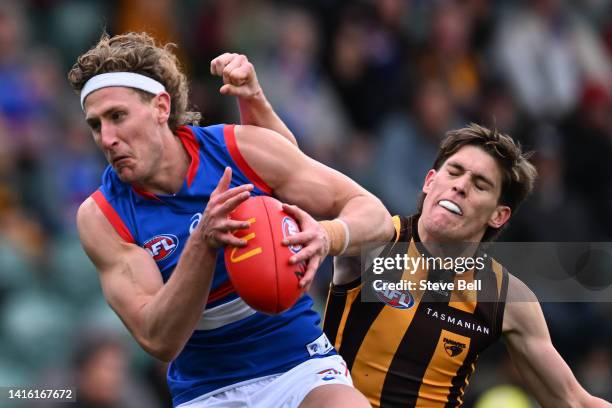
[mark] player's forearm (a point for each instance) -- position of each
(368, 221)
(594, 402)
(172, 314)
(577, 400)
(257, 111)
(586, 400)
(550, 378)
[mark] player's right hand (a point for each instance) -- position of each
(216, 227)
(313, 239)
(239, 78)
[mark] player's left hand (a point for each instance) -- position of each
(314, 241)
(239, 78)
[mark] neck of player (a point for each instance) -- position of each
(439, 246)
(171, 170)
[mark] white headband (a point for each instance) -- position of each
(128, 79)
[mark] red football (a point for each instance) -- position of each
(261, 272)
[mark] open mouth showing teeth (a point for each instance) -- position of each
(450, 206)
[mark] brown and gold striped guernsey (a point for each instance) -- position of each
(423, 355)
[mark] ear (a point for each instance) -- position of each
(500, 216)
(161, 104)
(429, 178)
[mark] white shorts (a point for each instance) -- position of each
(281, 390)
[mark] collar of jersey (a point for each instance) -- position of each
(187, 138)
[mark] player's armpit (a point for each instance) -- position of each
(544, 371)
(128, 275)
(319, 190)
(161, 317)
(347, 269)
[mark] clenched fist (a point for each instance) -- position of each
(239, 78)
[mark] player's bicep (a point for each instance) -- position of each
(128, 275)
(318, 189)
(293, 176)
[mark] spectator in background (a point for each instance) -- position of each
(499, 109)
(99, 375)
(546, 52)
(17, 99)
(300, 91)
(76, 169)
(18, 102)
(595, 370)
(588, 141)
(24, 235)
(367, 53)
(19, 163)
(408, 144)
(221, 25)
(101, 367)
(31, 108)
(156, 17)
(539, 220)
(449, 58)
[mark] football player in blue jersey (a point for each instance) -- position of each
(157, 226)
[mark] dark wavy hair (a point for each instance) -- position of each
(518, 174)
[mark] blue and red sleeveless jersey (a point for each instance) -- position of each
(232, 343)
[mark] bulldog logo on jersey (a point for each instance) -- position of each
(320, 346)
(161, 246)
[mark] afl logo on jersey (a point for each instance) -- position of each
(161, 246)
(290, 228)
(400, 299)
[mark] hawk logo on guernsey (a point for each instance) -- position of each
(161, 246)
(291, 228)
(453, 348)
(400, 299)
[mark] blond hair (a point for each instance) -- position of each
(138, 52)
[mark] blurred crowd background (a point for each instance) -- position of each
(369, 87)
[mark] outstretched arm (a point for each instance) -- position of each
(544, 371)
(319, 191)
(240, 80)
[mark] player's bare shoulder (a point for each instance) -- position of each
(91, 220)
(254, 135)
(98, 238)
(261, 149)
(87, 218)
